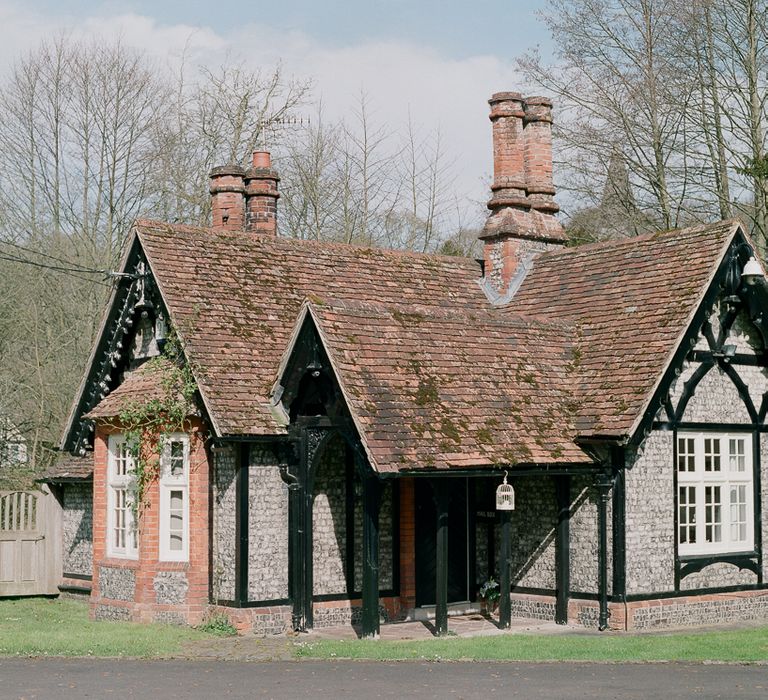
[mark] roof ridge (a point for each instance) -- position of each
(495, 315)
(694, 229)
(158, 225)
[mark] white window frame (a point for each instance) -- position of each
(170, 484)
(121, 494)
(736, 471)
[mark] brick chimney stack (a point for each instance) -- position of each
(261, 195)
(227, 188)
(522, 221)
(538, 154)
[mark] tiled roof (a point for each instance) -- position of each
(444, 388)
(234, 299)
(632, 301)
(150, 382)
(424, 321)
(68, 467)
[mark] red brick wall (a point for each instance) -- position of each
(407, 544)
(144, 606)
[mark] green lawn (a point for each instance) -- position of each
(748, 645)
(47, 627)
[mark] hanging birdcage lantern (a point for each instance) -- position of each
(505, 495)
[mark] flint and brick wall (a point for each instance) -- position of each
(147, 589)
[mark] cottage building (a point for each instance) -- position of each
(354, 411)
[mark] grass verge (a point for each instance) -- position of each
(46, 627)
(748, 645)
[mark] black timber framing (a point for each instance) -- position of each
(371, 505)
(505, 556)
(738, 254)
(604, 484)
(78, 577)
(619, 526)
(441, 492)
(241, 525)
(562, 549)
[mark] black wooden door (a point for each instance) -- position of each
(426, 535)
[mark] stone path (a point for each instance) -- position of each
(279, 647)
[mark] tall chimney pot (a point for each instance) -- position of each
(538, 154)
(261, 195)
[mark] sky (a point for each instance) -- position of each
(437, 61)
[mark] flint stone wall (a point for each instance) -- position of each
(533, 526)
(267, 527)
(650, 517)
(77, 528)
(584, 536)
(170, 587)
(329, 540)
(224, 508)
(117, 583)
(329, 527)
(112, 613)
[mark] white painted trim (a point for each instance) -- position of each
(117, 483)
(168, 484)
(725, 478)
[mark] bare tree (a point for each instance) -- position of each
(678, 89)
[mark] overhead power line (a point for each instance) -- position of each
(75, 272)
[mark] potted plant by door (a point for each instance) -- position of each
(489, 595)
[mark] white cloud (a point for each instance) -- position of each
(397, 77)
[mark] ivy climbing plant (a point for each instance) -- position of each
(145, 422)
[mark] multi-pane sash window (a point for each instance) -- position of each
(714, 493)
(122, 534)
(174, 498)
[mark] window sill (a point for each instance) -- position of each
(719, 556)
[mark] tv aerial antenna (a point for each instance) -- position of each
(270, 127)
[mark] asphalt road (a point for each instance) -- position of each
(61, 679)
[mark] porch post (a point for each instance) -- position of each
(371, 505)
(442, 495)
(241, 526)
(604, 483)
(562, 548)
(505, 607)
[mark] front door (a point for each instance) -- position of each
(426, 540)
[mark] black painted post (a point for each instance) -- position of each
(505, 609)
(441, 493)
(308, 557)
(603, 492)
(371, 505)
(619, 539)
(241, 526)
(563, 548)
(296, 535)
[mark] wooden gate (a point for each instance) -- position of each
(29, 529)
